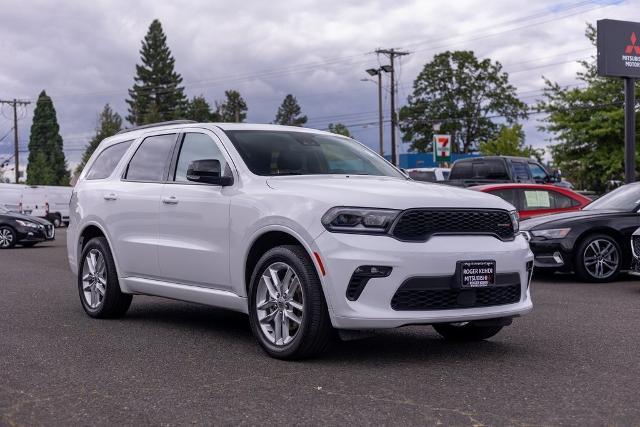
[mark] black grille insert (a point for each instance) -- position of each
(419, 224)
(635, 241)
(438, 293)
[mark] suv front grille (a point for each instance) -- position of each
(635, 241)
(444, 299)
(418, 225)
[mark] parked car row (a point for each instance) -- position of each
(48, 202)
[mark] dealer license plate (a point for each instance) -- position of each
(477, 274)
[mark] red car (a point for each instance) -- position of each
(536, 199)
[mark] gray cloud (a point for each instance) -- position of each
(84, 53)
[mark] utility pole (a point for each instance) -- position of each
(392, 53)
(16, 149)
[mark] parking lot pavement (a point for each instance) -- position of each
(575, 360)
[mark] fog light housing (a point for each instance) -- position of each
(529, 273)
(361, 277)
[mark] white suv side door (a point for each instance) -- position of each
(193, 243)
(131, 206)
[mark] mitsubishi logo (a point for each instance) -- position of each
(631, 47)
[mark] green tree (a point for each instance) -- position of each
(340, 129)
(587, 124)
(289, 112)
(463, 94)
(109, 123)
(47, 164)
(233, 109)
(157, 94)
(509, 141)
(198, 109)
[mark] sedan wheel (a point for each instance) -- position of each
(599, 259)
(7, 238)
(279, 303)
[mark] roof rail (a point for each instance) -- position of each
(153, 125)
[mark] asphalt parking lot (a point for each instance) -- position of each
(574, 361)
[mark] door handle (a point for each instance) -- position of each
(111, 196)
(172, 200)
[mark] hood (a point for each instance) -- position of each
(35, 219)
(546, 220)
(383, 192)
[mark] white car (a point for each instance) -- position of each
(305, 231)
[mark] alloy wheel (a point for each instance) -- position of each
(6, 238)
(279, 303)
(94, 278)
(601, 258)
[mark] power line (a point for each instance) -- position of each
(15, 103)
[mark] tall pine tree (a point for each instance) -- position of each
(109, 123)
(47, 164)
(157, 94)
(233, 109)
(289, 112)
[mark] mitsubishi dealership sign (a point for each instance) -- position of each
(618, 48)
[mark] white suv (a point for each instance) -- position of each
(305, 231)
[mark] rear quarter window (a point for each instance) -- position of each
(107, 161)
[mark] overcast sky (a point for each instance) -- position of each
(83, 53)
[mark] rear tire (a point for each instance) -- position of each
(98, 284)
(598, 259)
(466, 332)
(7, 237)
(290, 320)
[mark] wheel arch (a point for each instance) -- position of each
(269, 238)
(89, 231)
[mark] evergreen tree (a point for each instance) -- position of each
(109, 123)
(47, 164)
(198, 109)
(340, 129)
(289, 113)
(233, 109)
(156, 94)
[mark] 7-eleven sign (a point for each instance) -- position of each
(441, 148)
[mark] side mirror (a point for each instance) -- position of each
(207, 171)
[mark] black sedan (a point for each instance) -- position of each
(23, 230)
(594, 242)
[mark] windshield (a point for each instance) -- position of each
(274, 153)
(625, 198)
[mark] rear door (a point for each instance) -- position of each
(131, 205)
(193, 244)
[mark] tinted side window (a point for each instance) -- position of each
(520, 172)
(490, 169)
(462, 170)
(537, 172)
(507, 195)
(151, 159)
(560, 201)
(196, 146)
(107, 161)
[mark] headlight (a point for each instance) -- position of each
(359, 220)
(515, 221)
(556, 233)
(27, 223)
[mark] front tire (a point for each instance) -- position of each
(465, 332)
(598, 259)
(287, 310)
(98, 283)
(7, 237)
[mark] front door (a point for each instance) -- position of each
(194, 220)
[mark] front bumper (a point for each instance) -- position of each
(552, 254)
(343, 253)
